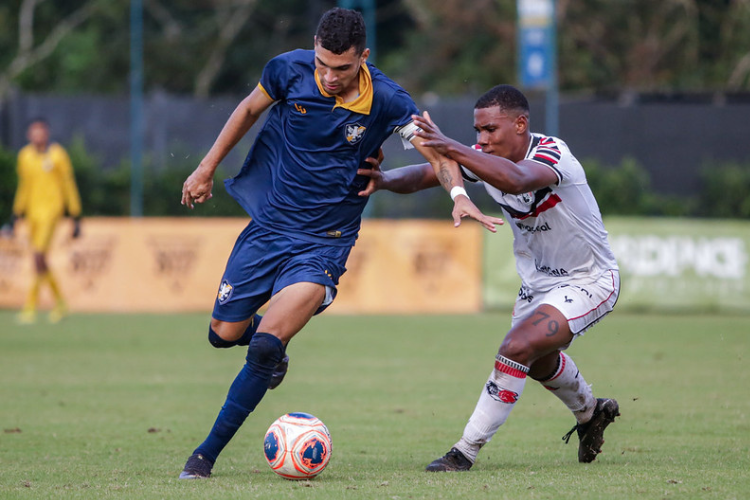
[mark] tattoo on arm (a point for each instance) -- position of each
(552, 325)
(445, 177)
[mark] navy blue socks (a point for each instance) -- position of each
(263, 354)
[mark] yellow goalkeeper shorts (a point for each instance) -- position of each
(41, 231)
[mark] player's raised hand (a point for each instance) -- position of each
(463, 207)
(429, 131)
(197, 188)
(374, 173)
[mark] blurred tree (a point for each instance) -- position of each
(209, 47)
(40, 29)
(455, 47)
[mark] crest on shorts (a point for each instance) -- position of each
(225, 292)
(354, 133)
(499, 394)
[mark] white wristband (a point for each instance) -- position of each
(456, 190)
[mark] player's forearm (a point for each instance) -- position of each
(409, 179)
(447, 173)
(494, 170)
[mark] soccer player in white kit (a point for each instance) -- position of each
(569, 275)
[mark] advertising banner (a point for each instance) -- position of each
(413, 266)
(176, 264)
(665, 263)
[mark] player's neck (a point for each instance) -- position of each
(41, 148)
(351, 93)
(523, 148)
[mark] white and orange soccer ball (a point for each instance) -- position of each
(297, 446)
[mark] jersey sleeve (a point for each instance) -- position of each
(20, 202)
(547, 151)
(401, 107)
(68, 182)
(275, 78)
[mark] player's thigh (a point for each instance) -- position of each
(305, 286)
(41, 231)
(291, 308)
(539, 333)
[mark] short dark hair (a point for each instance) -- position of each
(507, 97)
(38, 119)
(341, 29)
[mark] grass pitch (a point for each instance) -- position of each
(110, 406)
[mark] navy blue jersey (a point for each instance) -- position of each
(300, 176)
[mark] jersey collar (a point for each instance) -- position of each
(363, 103)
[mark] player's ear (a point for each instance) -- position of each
(522, 124)
(364, 56)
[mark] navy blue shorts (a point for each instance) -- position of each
(263, 262)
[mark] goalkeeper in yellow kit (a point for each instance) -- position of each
(46, 191)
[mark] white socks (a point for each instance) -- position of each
(503, 389)
(498, 397)
(568, 385)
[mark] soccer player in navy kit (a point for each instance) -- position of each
(331, 113)
(569, 275)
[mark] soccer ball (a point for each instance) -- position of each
(297, 446)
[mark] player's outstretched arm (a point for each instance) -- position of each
(198, 186)
(402, 180)
(496, 171)
(448, 174)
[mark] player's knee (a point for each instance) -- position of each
(517, 349)
(265, 350)
(218, 341)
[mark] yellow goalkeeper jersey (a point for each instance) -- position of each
(46, 185)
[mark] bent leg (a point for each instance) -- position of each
(246, 392)
(567, 383)
(289, 310)
(528, 343)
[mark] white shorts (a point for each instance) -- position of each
(583, 305)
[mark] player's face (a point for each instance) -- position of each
(339, 73)
(500, 133)
(38, 134)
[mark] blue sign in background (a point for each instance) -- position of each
(536, 57)
(536, 42)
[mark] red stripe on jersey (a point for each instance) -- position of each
(550, 202)
(513, 372)
(549, 160)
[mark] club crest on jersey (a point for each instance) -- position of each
(526, 198)
(225, 292)
(354, 133)
(499, 394)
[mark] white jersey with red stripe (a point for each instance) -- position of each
(558, 232)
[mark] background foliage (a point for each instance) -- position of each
(623, 189)
(219, 46)
(452, 47)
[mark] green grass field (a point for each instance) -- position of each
(110, 406)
